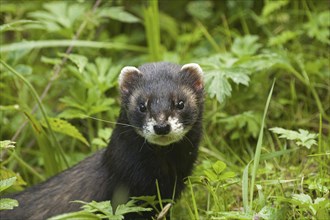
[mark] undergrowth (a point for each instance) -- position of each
(265, 152)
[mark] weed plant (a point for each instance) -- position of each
(265, 153)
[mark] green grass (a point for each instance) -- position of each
(265, 151)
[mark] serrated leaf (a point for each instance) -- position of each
(211, 175)
(302, 198)
(319, 200)
(16, 25)
(66, 128)
(99, 142)
(217, 85)
(8, 204)
(7, 144)
(6, 183)
(282, 38)
(266, 61)
(104, 133)
(74, 103)
(227, 175)
(238, 75)
(318, 27)
(79, 60)
(81, 215)
(48, 60)
(267, 212)
(7, 173)
(245, 46)
(71, 114)
(148, 199)
(272, 6)
(302, 138)
(130, 207)
(102, 106)
(58, 15)
(118, 13)
(200, 9)
(218, 69)
(249, 121)
(219, 166)
(104, 207)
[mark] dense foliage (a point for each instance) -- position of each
(265, 153)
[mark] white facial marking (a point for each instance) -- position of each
(177, 132)
(162, 117)
(176, 126)
(148, 128)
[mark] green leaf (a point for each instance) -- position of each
(79, 60)
(147, 199)
(130, 207)
(103, 137)
(7, 144)
(24, 45)
(71, 114)
(238, 75)
(272, 6)
(211, 175)
(219, 166)
(227, 175)
(118, 13)
(302, 138)
(218, 69)
(58, 15)
(103, 207)
(302, 198)
(9, 107)
(8, 204)
(217, 85)
(66, 128)
(200, 9)
(6, 183)
(245, 46)
(81, 215)
(318, 27)
(267, 212)
(282, 38)
(248, 122)
(16, 25)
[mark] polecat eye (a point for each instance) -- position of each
(180, 105)
(142, 108)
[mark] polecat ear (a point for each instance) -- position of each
(194, 75)
(127, 76)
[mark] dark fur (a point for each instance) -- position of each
(128, 163)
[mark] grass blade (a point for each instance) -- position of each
(66, 43)
(257, 154)
(245, 188)
(193, 199)
(152, 29)
(35, 95)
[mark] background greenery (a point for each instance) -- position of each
(264, 160)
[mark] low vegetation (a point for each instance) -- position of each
(265, 152)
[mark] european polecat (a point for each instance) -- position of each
(156, 138)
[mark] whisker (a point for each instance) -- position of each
(144, 142)
(111, 122)
(189, 141)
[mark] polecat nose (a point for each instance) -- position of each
(162, 129)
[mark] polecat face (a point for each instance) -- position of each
(162, 100)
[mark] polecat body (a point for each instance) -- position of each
(156, 138)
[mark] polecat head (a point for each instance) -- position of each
(162, 100)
